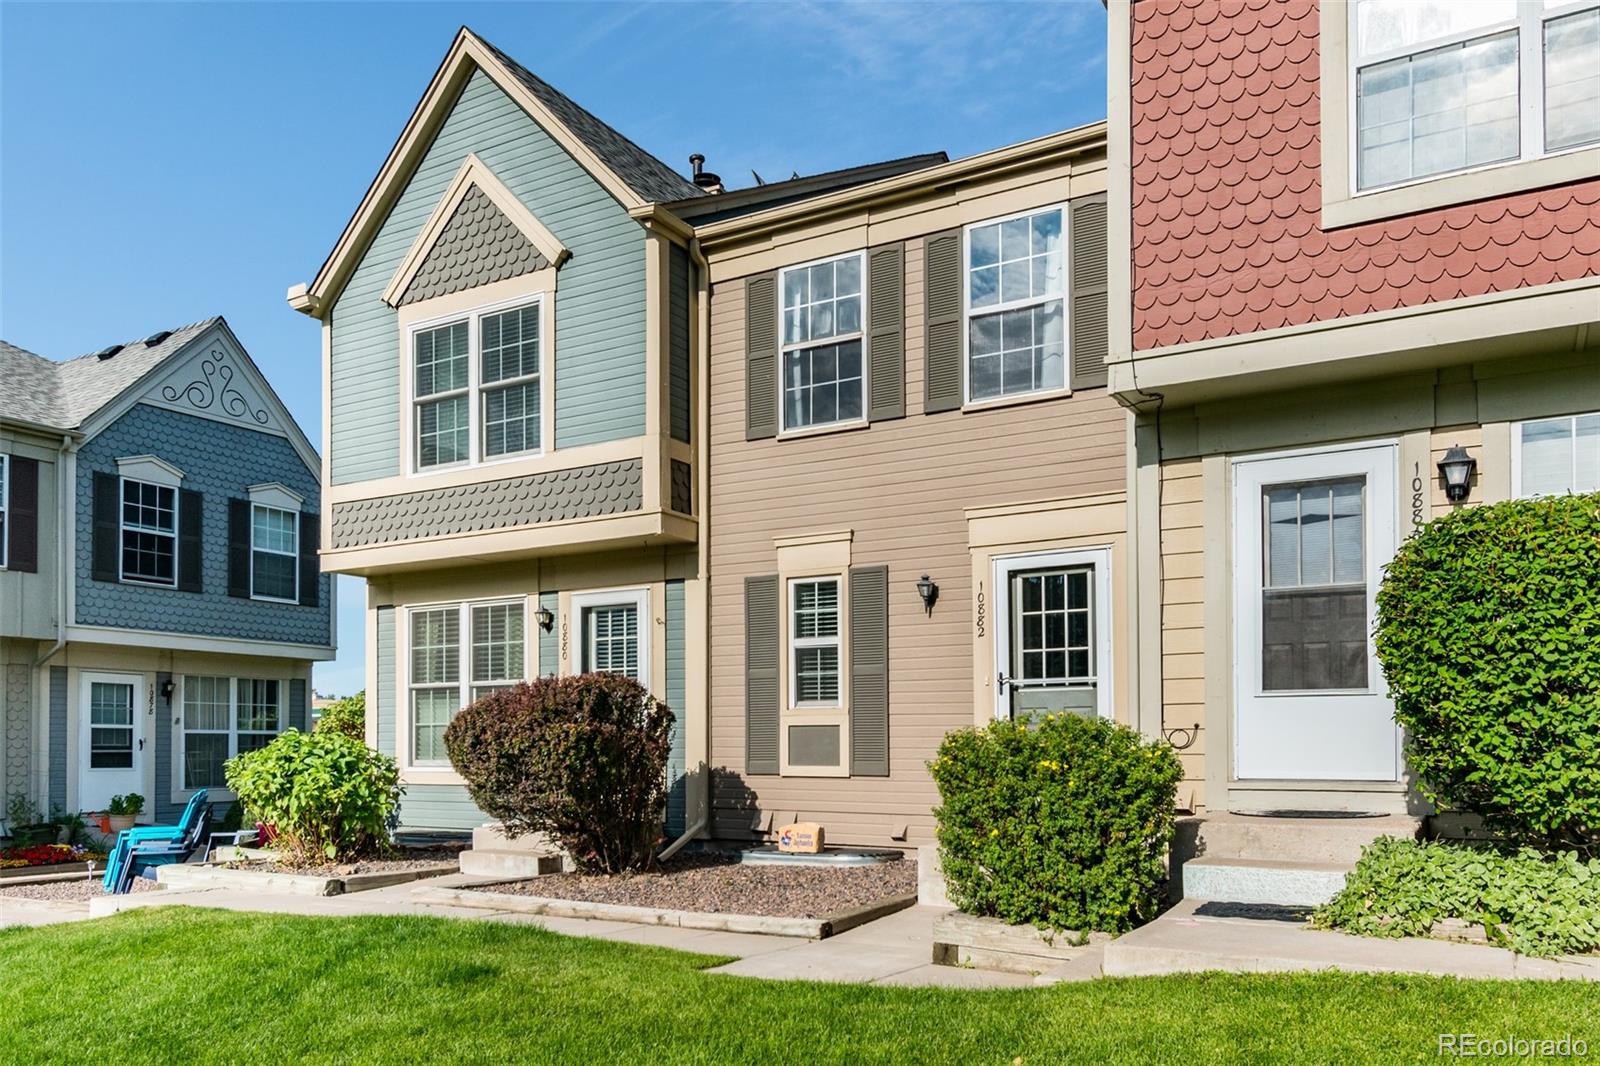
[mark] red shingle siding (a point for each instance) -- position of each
(1227, 197)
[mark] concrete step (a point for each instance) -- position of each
(504, 863)
(1085, 967)
(1325, 840)
(1301, 884)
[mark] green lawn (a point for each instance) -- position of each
(180, 985)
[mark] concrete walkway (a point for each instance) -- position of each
(897, 949)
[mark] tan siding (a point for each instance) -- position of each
(901, 487)
(1183, 541)
(1470, 438)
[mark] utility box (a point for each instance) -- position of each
(802, 837)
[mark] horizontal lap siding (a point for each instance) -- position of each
(1183, 540)
(599, 313)
(901, 486)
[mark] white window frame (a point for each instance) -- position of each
(232, 732)
(294, 556)
(1100, 620)
(968, 313)
(475, 389)
(836, 339)
(796, 643)
(1529, 24)
(123, 528)
(639, 598)
(1517, 491)
(5, 507)
(463, 682)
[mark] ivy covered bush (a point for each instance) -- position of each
(1533, 903)
(1063, 824)
(328, 796)
(1489, 634)
(347, 716)
(581, 759)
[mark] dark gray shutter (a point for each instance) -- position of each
(761, 357)
(107, 529)
(761, 659)
(886, 346)
(942, 313)
(22, 514)
(869, 671)
(1087, 272)
(191, 524)
(299, 709)
(239, 548)
(310, 563)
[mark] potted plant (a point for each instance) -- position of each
(123, 810)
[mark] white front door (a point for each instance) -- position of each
(111, 741)
(1312, 533)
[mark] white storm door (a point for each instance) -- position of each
(111, 740)
(1312, 533)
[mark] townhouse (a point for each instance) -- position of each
(1355, 277)
(161, 602)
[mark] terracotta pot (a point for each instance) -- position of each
(104, 821)
(118, 822)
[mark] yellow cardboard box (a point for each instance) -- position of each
(802, 836)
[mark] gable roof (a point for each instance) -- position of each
(631, 175)
(83, 394)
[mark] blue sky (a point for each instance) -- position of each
(160, 163)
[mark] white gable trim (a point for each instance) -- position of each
(473, 172)
(151, 468)
(276, 494)
(183, 368)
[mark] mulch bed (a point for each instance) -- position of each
(70, 891)
(714, 884)
(397, 861)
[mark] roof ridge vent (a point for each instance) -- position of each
(157, 337)
(703, 179)
(108, 351)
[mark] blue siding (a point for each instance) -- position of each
(675, 694)
(164, 810)
(384, 699)
(221, 461)
(599, 311)
(439, 807)
(550, 642)
(299, 708)
(58, 737)
(678, 341)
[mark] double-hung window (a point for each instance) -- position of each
(224, 717)
(814, 642)
(1016, 299)
(149, 532)
(1448, 85)
(5, 488)
(1558, 455)
(822, 316)
(476, 386)
(274, 553)
(459, 652)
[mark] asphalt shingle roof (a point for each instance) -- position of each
(63, 395)
(647, 176)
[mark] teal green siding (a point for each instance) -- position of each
(439, 807)
(385, 698)
(678, 342)
(550, 641)
(599, 306)
(675, 694)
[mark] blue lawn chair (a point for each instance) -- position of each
(141, 849)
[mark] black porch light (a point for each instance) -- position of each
(1456, 468)
(928, 591)
(545, 618)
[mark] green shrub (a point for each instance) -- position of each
(1489, 634)
(1530, 902)
(347, 716)
(582, 759)
(328, 796)
(1064, 824)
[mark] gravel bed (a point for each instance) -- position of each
(712, 884)
(70, 891)
(398, 861)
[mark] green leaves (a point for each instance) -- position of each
(1489, 634)
(1063, 825)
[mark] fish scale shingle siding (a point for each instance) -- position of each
(510, 503)
(1227, 192)
(478, 246)
(599, 311)
(220, 461)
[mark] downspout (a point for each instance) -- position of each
(702, 477)
(65, 486)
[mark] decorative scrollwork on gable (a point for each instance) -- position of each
(215, 389)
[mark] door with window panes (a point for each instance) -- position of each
(112, 739)
(1312, 534)
(1051, 665)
